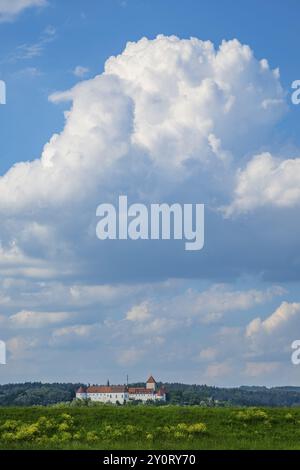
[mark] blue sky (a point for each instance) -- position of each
(73, 308)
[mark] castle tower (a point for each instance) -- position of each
(151, 384)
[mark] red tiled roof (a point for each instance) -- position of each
(151, 380)
(140, 391)
(106, 389)
(81, 390)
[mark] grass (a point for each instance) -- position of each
(169, 427)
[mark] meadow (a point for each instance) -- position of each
(148, 427)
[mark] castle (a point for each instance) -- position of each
(122, 393)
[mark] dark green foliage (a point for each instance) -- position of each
(36, 393)
(178, 394)
(242, 396)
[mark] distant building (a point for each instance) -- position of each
(105, 394)
(149, 392)
(122, 394)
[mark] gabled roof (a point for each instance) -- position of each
(107, 389)
(81, 390)
(139, 391)
(151, 380)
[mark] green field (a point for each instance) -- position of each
(147, 427)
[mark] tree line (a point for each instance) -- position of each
(36, 393)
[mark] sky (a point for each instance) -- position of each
(163, 101)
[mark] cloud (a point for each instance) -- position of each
(80, 71)
(263, 344)
(266, 181)
(27, 319)
(36, 49)
(172, 105)
(20, 347)
(10, 9)
(282, 317)
(212, 304)
(168, 120)
(14, 262)
(139, 313)
(255, 369)
(258, 352)
(75, 335)
(138, 325)
(175, 313)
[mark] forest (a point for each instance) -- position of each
(28, 394)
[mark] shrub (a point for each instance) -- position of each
(10, 425)
(252, 415)
(179, 435)
(65, 436)
(197, 428)
(91, 436)
(63, 427)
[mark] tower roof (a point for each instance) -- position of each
(151, 380)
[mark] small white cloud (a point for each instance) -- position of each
(10, 9)
(275, 322)
(28, 319)
(81, 71)
(139, 313)
(274, 334)
(81, 331)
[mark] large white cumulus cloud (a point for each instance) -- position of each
(166, 104)
(190, 98)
